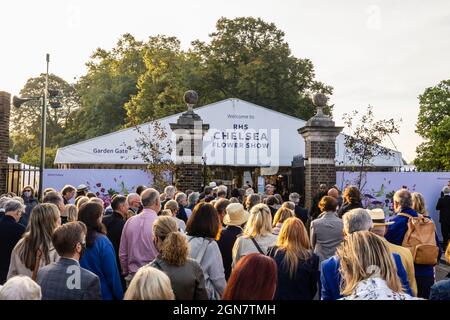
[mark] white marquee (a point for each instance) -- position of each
(240, 134)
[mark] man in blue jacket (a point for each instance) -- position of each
(330, 278)
(395, 234)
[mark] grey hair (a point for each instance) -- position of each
(180, 196)
(132, 195)
(149, 197)
(3, 201)
(294, 197)
(13, 205)
(446, 190)
(20, 288)
(20, 199)
(222, 187)
(357, 220)
(193, 198)
(403, 198)
(170, 191)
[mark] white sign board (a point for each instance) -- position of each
(379, 188)
(103, 182)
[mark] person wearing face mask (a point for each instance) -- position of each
(10, 233)
(30, 202)
(55, 280)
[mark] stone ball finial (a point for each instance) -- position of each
(191, 97)
(320, 100)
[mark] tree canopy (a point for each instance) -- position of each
(26, 120)
(139, 81)
(433, 125)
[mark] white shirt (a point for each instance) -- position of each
(376, 289)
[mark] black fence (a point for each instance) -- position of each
(19, 175)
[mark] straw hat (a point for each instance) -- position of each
(236, 215)
(378, 218)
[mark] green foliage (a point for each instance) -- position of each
(161, 87)
(434, 125)
(26, 121)
(248, 58)
(33, 156)
(108, 85)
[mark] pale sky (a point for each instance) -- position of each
(382, 53)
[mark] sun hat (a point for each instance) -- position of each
(235, 215)
(378, 218)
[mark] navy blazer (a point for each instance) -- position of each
(59, 281)
(330, 277)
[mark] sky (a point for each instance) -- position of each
(378, 53)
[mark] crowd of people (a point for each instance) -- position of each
(219, 244)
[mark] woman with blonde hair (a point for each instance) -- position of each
(173, 206)
(418, 203)
(35, 249)
(150, 284)
(80, 201)
(71, 212)
(257, 236)
(298, 266)
(185, 274)
(281, 216)
(368, 269)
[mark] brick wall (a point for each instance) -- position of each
(5, 105)
(189, 176)
(320, 151)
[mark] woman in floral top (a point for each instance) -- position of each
(368, 269)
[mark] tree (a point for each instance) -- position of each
(160, 89)
(109, 84)
(364, 141)
(33, 156)
(26, 120)
(434, 126)
(248, 58)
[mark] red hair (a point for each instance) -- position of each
(253, 278)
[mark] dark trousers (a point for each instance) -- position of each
(445, 230)
(423, 286)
